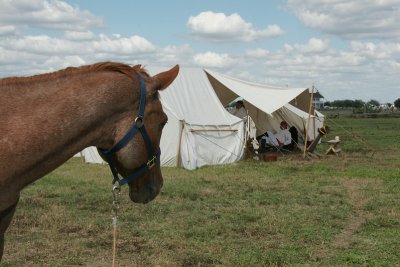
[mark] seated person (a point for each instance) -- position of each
(239, 110)
(282, 138)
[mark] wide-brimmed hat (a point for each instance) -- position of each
(336, 140)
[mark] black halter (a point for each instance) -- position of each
(152, 157)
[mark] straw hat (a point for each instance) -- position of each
(336, 140)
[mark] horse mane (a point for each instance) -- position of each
(97, 67)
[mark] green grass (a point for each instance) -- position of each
(335, 211)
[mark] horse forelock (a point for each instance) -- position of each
(98, 67)
(142, 70)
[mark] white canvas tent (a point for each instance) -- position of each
(201, 132)
(90, 155)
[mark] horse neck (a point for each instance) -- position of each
(48, 122)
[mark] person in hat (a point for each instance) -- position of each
(283, 138)
(239, 110)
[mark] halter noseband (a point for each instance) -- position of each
(138, 125)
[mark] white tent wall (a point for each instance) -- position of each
(91, 155)
(170, 143)
(192, 146)
(211, 145)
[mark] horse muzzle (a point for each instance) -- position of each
(146, 191)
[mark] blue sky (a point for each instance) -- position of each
(349, 49)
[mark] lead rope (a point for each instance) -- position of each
(115, 208)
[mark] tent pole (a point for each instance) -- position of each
(82, 156)
(179, 158)
(314, 132)
(308, 122)
(247, 128)
(246, 132)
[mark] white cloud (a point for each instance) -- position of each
(173, 54)
(54, 63)
(351, 19)
(382, 51)
(43, 44)
(314, 45)
(339, 74)
(211, 59)
(46, 14)
(359, 73)
(7, 30)
(121, 45)
(218, 27)
(79, 36)
(257, 53)
(363, 70)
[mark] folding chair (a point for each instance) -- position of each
(334, 146)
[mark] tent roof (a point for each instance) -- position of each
(265, 97)
(297, 111)
(192, 98)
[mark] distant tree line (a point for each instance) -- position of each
(397, 103)
(358, 103)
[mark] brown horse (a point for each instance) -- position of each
(46, 119)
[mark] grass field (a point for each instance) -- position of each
(334, 211)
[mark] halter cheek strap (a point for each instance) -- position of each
(138, 126)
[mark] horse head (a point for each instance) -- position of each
(135, 154)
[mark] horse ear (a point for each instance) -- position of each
(164, 79)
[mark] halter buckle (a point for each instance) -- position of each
(151, 162)
(139, 121)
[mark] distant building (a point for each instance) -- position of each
(318, 100)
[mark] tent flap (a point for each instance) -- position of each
(265, 97)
